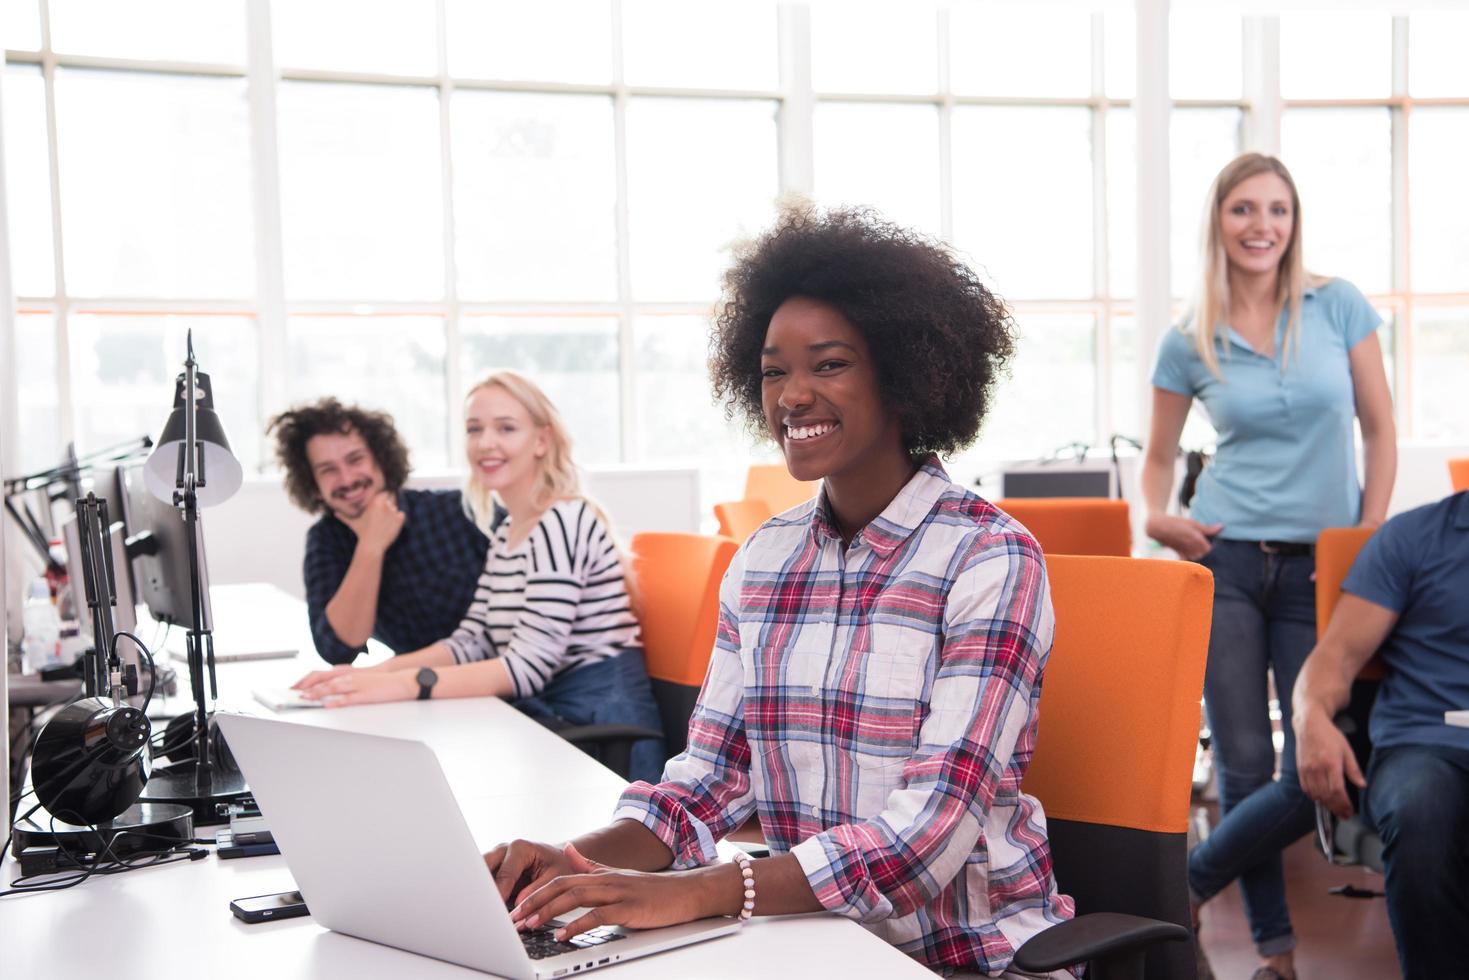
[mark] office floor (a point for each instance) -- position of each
(1339, 938)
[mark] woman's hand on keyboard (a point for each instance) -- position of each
(522, 866)
(342, 687)
(320, 676)
(636, 899)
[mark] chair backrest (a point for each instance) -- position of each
(678, 577)
(738, 519)
(1459, 474)
(1119, 720)
(774, 484)
(1074, 525)
(1336, 549)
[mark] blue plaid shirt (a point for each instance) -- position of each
(428, 580)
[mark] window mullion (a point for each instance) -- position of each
(630, 443)
(795, 139)
(1402, 246)
(1103, 425)
(270, 278)
(454, 383)
(1262, 84)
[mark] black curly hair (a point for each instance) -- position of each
(294, 428)
(939, 338)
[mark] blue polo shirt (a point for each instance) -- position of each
(1417, 565)
(1286, 462)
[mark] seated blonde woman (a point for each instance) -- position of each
(551, 627)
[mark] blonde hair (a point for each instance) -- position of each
(556, 475)
(1211, 309)
(556, 478)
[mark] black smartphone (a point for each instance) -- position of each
(267, 908)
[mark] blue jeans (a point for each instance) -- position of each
(1264, 620)
(1418, 799)
(614, 691)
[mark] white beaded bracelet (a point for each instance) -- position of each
(747, 873)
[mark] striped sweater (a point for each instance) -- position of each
(555, 603)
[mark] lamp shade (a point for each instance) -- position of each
(91, 761)
(220, 473)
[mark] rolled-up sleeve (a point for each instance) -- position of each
(997, 632)
(706, 791)
(323, 569)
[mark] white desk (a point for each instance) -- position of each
(511, 777)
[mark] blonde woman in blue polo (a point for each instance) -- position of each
(1284, 363)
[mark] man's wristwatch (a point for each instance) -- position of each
(426, 681)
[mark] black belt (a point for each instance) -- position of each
(1291, 549)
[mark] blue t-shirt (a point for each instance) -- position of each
(1286, 463)
(1417, 565)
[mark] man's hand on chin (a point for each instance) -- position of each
(379, 524)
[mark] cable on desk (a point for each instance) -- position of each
(104, 862)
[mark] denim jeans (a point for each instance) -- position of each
(1418, 799)
(614, 691)
(1264, 620)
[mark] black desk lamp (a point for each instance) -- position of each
(193, 467)
(91, 762)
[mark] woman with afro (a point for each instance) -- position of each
(872, 692)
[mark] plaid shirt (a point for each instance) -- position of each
(428, 580)
(877, 707)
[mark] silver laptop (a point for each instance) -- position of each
(428, 890)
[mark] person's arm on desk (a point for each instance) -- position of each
(566, 878)
(397, 679)
(1324, 759)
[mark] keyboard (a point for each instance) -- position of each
(541, 941)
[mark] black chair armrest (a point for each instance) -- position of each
(596, 734)
(1093, 937)
(610, 745)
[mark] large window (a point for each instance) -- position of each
(389, 213)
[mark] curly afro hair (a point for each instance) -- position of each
(938, 337)
(295, 428)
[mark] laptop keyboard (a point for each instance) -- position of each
(541, 941)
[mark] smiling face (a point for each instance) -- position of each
(503, 444)
(1256, 221)
(820, 393)
(346, 472)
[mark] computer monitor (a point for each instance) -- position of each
(1061, 478)
(158, 546)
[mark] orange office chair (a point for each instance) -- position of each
(774, 484)
(1113, 763)
(738, 519)
(1347, 841)
(1459, 474)
(1336, 549)
(678, 577)
(1074, 525)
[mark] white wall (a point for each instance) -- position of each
(260, 536)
